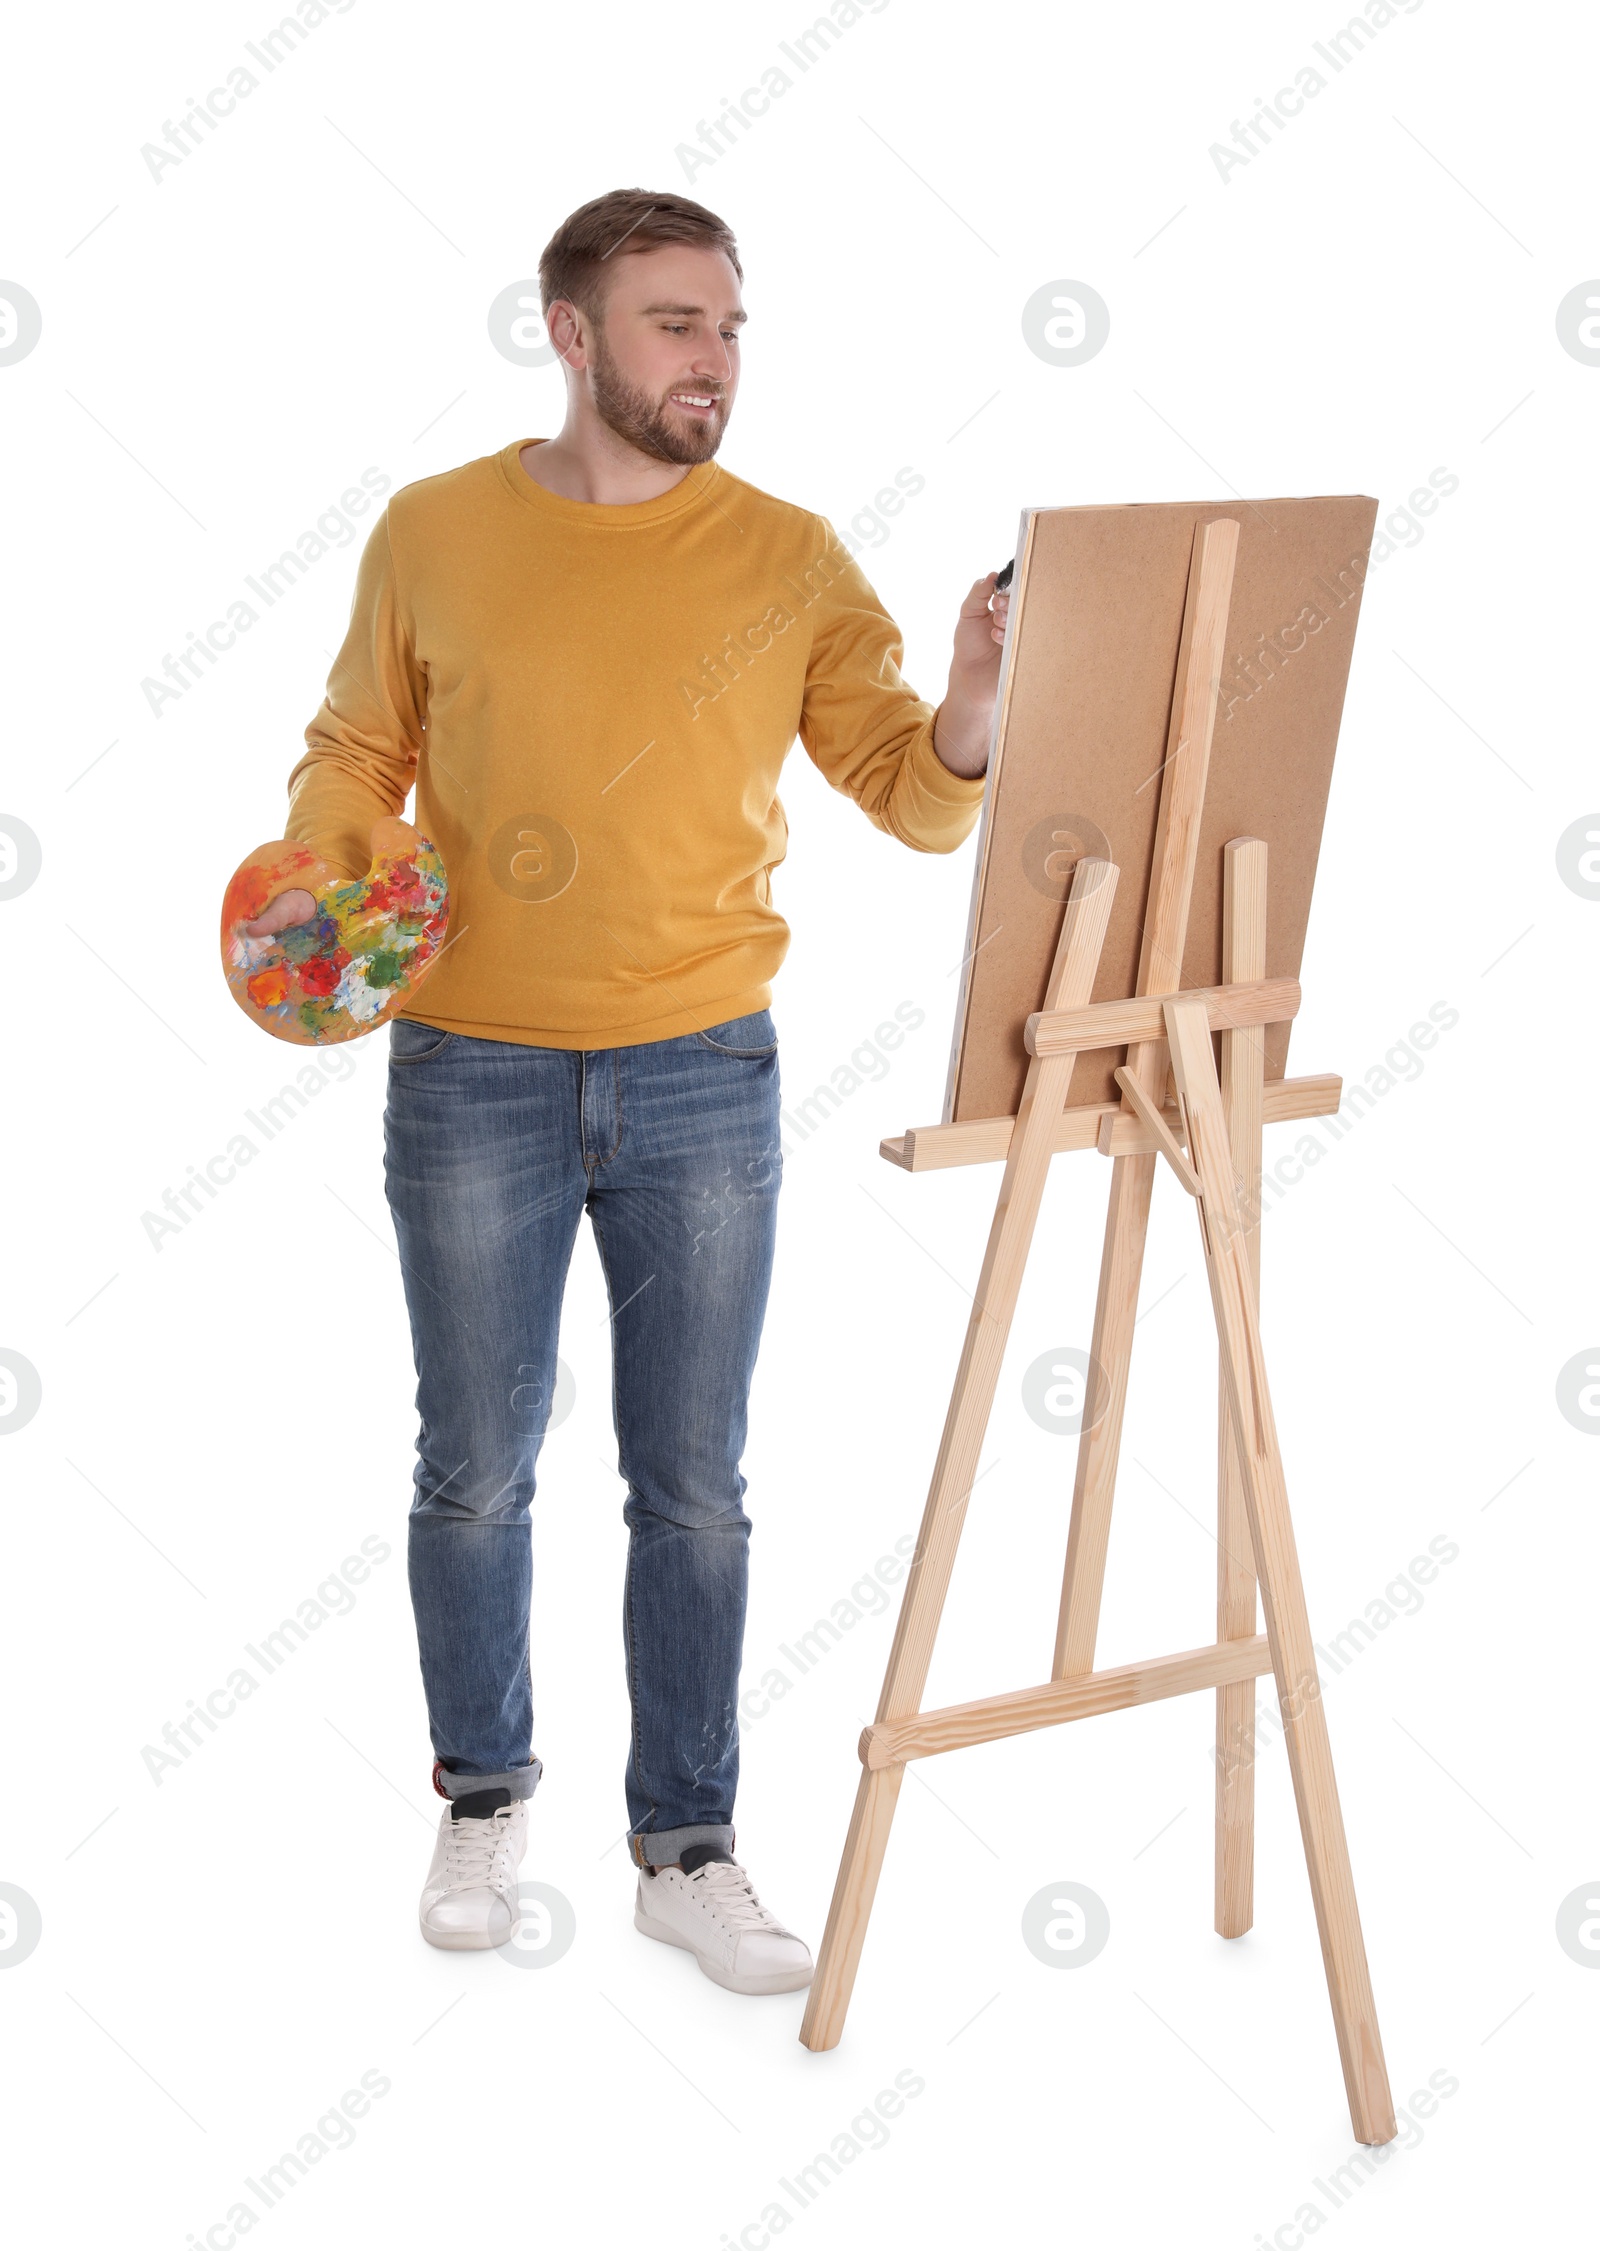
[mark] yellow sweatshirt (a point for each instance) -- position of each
(595, 705)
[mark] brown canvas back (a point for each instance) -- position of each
(1085, 702)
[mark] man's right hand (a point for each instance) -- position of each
(280, 913)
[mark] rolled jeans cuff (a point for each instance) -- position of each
(658, 1848)
(521, 1781)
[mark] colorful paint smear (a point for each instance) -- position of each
(363, 952)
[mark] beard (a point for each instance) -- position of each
(650, 424)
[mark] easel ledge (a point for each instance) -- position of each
(985, 1141)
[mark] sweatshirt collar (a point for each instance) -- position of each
(699, 485)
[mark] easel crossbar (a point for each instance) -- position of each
(1109, 1023)
(954, 1726)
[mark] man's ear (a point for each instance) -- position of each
(566, 329)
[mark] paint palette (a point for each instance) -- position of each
(363, 953)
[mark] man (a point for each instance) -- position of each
(592, 654)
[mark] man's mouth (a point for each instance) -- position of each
(702, 404)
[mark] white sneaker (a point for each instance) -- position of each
(713, 1913)
(470, 1897)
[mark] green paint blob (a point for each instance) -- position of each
(385, 968)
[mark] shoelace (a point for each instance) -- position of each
(474, 1848)
(730, 1893)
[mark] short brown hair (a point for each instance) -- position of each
(573, 262)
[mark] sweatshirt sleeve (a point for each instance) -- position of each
(868, 733)
(363, 744)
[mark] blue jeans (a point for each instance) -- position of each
(492, 1151)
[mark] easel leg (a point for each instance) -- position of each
(1111, 1350)
(1071, 984)
(1244, 956)
(845, 1933)
(1266, 1501)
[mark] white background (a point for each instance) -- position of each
(224, 350)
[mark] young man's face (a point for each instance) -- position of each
(663, 360)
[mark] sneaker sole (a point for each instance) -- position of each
(780, 1981)
(466, 1942)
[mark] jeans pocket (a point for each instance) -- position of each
(751, 1038)
(411, 1041)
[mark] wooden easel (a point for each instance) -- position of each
(1210, 1138)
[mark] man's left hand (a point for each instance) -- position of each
(961, 734)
